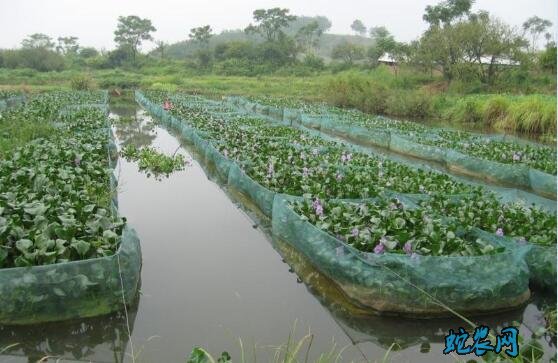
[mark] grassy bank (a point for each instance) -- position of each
(534, 113)
(402, 94)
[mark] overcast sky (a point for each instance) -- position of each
(94, 21)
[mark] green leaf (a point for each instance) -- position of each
(35, 208)
(81, 247)
(24, 245)
(199, 355)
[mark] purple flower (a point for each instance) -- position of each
(516, 156)
(354, 232)
(270, 170)
(500, 232)
(379, 249)
(315, 152)
(318, 208)
(305, 172)
(408, 248)
(343, 158)
(349, 156)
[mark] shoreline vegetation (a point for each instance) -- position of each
(376, 92)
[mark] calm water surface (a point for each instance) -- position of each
(210, 277)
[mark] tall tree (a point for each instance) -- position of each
(536, 26)
(308, 36)
(324, 24)
(348, 52)
(358, 27)
(201, 35)
(487, 43)
(270, 23)
(383, 43)
(38, 40)
(131, 31)
(447, 11)
(67, 45)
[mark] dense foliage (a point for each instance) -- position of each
(288, 160)
(153, 162)
(507, 152)
(386, 225)
(55, 195)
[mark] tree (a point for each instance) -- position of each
(67, 45)
(270, 22)
(117, 57)
(536, 26)
(488, 43)
(547, 59)
(383, 43)
(358, 27)
(383, 40)
(38, 40)
(308, 36)
(324, 24)
(348, 52)
(477, 47)
(160, 47)
(131, 31)
(88, 52)
(201, 34)
(445, 12)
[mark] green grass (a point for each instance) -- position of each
(405, 94)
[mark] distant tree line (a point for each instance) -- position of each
(459, 44)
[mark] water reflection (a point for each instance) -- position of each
(100, 339)
(132, 129)
(398, 333)
(228, 277)
(387, 332)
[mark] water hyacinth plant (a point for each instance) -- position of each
(55, 196)
(386, 225)
(153, 162)
(288, 160)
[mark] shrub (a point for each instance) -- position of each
(465, 110)
(83, 82)
(495, 110)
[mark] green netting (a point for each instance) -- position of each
(259, 195)
(71, 290)
(362, 326)
(76, 289)
(542, 266)
(406, 147)
(481, 283)
(521, 176)
(396, 283)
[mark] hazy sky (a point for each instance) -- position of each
(94, 21)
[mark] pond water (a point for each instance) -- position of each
(210, 276)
